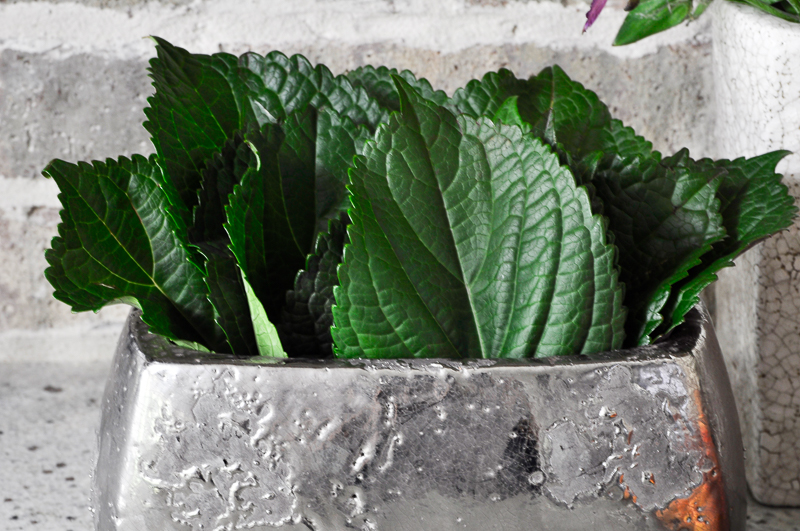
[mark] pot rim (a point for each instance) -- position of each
(679, 343)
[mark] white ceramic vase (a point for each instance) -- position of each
(757, 76)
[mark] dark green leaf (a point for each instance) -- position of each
(753, 205)
(379, 84)
(290, 182)
(119, 242)
(566, 115)
(226, 292)
(770, 9)
(281, 85)
(201, 100)
(261, 235)
(76, 295)
(193, 112)
(223, 171)
(338, 141)
(469, 239)
(651, 17)
(664, 215)
(307, 316)
(485, 96)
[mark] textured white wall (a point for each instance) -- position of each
(757, 73)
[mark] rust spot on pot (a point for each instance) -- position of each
(705, 508)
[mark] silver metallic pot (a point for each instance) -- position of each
(644, 439)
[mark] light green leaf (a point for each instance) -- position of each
(651, 17)
(191, 345)
(269, 344)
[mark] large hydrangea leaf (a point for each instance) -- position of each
(664, 215)
(469, 239)
(753, 204)
(201, 100)
(378, 83)
(119, 242)
(569, 117)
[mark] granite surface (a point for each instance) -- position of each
(50, 416)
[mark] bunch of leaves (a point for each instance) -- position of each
(287, 210)
(648, 17)
(207, 236)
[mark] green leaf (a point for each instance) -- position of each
(201, 100)
(700, 8)
(559, 110)
(508, 114)
(664, 216)
(286, 182)
(226, 292)
(269, 344)
(307, 318)
(281, 85)
(119, 243)
(192, 113)
(221, 174)
(338, 141)
(651, 17)
(469, 239)
(261, 235)
(378, 83)
(754, 204)
(191, 345)
(74, 294)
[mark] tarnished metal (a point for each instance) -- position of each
(645, 439)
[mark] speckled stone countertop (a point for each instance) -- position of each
(49, 416)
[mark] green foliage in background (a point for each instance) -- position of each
(648, 17)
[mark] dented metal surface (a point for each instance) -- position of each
(641, 440)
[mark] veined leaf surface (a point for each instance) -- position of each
(569, 117)
(307, 316)
(753, 204)
(469, 239)
(664, 216)
(227, 294)
(262, 237)
(119, 242)
(201, 100)
(378, 83)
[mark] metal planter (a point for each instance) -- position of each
(643, 439)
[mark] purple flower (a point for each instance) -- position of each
(594, 12)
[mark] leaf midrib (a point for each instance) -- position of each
(138, 265)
